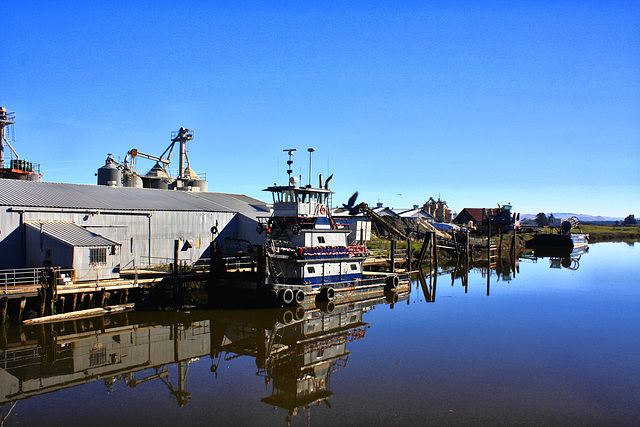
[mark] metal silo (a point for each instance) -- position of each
(132, 180)
(200, 184)
(109, 174)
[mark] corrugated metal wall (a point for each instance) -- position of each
(146, 237)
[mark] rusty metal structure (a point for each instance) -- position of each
(15, 167)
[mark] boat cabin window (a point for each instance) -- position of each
(354, 267)
(311, 269)
(321, 239)
(286, 196)
(290, 196)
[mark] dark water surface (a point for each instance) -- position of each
(547, 346)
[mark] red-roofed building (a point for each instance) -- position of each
(472, 217)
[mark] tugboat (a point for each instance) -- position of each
(306, 256)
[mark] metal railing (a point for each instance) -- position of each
(20, 277)
(38, 276)
(21, 165)
(237, 263)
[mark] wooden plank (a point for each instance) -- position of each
(79, 314)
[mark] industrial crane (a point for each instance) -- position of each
(130, 158)
(181, 137)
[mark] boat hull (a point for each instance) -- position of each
(242, 290)
(559, 240)
(557, 244)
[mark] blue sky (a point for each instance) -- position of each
(532, 103)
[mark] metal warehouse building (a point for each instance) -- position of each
(89, 227)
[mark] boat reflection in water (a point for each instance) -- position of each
(560, 257)
(295, 350)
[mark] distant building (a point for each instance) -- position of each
(472, 217)
(384, 211)
(415, 213)
(438, 209)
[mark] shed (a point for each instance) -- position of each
(89, 255)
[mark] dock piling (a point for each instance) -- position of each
(4, 303)
(423, 250)
(393, 255)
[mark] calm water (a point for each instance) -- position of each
(547, 346)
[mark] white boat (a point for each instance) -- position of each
(307, 255)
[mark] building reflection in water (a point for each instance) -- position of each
(295, 350)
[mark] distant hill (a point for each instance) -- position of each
(581, 217)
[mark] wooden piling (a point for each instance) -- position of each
(102, 297)
(60, 304)
(455, 245)
(423, 250)
(87, 300)
(466, 250)
(41, 303)
(71, 302)
(51, 304)
(262, 265)
(434, 245)
(393, 256)
(4, 304)
(21, 307)
(176, 249)
(4, 343)
(489, 239)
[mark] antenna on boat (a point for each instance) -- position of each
(310, 150)
(290, 151)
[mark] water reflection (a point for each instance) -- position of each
(559, 258)
(504, 269)
(295, 350)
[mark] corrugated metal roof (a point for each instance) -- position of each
(77, 196)
(71, 233)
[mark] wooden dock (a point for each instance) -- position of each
(28, 294)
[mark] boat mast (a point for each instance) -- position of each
(290, 151)
(310, 150)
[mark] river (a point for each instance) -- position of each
(541, 345)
